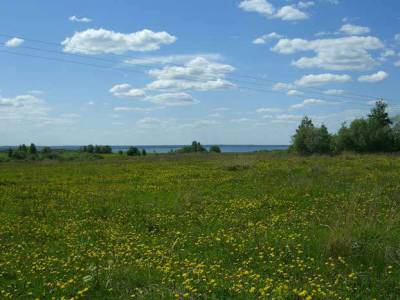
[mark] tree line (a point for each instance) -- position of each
(375, 133)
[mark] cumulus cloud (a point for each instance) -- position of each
(260, 6)
(79, 20)
(290, 13)
(268, 110)
(102, 41)
(397, 37)
(172, 59)
(333, 92)
(294, 93)
(351, 29)
(397, 64)
(319, 79)
(126, 91)
(265, 8)
(346, 53)
(376, 77)
(307, 102)
(267, 37)
(305, 4)
(197, 74)
(14, 42)
(172, 99)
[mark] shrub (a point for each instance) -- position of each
(215, 149)
(309, 139)
(133, 151)
(195, 147)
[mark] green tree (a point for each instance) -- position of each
(33, 149)
(309, 139)
(215, 149)
(133, 151)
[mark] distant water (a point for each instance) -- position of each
(169, 148)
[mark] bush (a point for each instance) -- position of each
(310, 139)
(215, 149)
(133, 151)
(195, 147)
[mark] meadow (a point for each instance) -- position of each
(201, 226)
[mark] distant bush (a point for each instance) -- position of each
(194, 147)
(133, 151)
(215, 149)
(98, 149)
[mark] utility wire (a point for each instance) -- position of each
(317, 90)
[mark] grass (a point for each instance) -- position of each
(201, 226)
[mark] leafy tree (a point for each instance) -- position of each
(215, 149)
(309, 139)
(33, 149)
(144, 152)
(23, 148)
(10, 152)
(133, 151)
(379, 114)
(46, 150)
(373, 134)
(90, 148)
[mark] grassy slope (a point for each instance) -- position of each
(212, 226)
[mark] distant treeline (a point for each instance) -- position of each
(198, 147)
(375, 133)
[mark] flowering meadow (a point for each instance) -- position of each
(223, 226)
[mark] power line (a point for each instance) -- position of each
(232, 78)
(139, 72)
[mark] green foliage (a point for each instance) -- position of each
(144, 152)
(215, 149)
(133, 151)
(364, 135)
(194, 147)
(311, 140)
(32, 149)
(98, 149)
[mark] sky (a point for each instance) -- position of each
(163, 72)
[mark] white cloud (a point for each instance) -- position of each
(334, 92)
(319, 79)
(133, 109)
(307, 102)
(263, 7)
(172, 59)
(267, 37)
(397, 64)
(149, 122)
(126, 91)
(260, 6)
(281, 86)
(376, 77)
(197, 74)
(346, 53)
(305, 4)
(172, 99)
(287, 118)
(79, 20)
(351, 29)
(101, 41)
(268, 110)
(23, 108)
(294, 93)
(14, 42)
(290, 13)
(397, 37)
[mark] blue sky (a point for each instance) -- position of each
(173, 71)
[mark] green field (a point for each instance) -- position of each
(201, 226)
